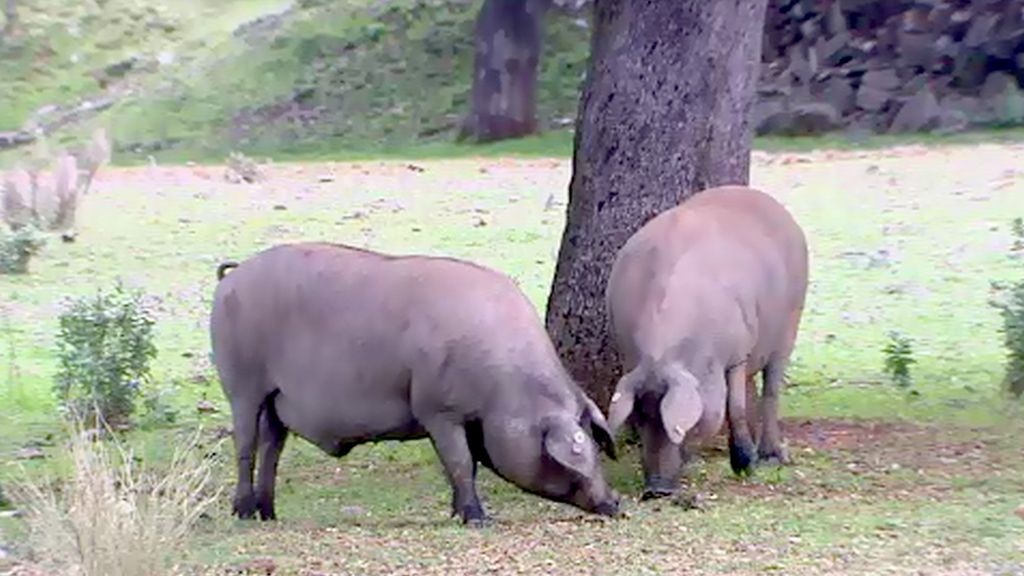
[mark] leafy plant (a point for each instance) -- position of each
(241, 168)
(158, 408)
(105, 345)
(1017, 228)
(112, 517)
(1012, 311)
(18, 247)
(899, 357)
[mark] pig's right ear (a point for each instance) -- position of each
(623, 399)
(681, 407)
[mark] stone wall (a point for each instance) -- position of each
(890, 65)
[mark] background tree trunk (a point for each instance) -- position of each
(665, 113)
(508, 44)
(10, 17)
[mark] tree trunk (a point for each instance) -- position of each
(665, 113)
(10, 18)
(508, 39)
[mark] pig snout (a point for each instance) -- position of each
(603, 502)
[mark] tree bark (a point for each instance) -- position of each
(665, 113)
(508, 44)
(10, 18)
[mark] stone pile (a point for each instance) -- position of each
(890, 65)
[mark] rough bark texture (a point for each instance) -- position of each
(664, 114)
(508, 44)
(10, 17)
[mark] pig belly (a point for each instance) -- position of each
(338, 425)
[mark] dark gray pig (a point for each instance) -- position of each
(343, 346)
(702, 298)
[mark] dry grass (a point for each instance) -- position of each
(111, 517)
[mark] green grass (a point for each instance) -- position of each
(942, 214)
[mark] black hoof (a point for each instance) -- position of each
(244, 507)
(773, 457)
(742, 458)
(266, 511)
(473, 516)
(656, 493)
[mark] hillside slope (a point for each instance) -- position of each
(262, 77)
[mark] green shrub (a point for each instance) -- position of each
(17, 248)
(1012, 311)
(899, 356)
(105, 346)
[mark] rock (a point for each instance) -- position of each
(980, 29)
(801, 120)
(30, 453)
(884, 79)
(872, 99)
(921, 112)
(204, 406)
(969, 67)
(324, 178)
(840, 94)
(917, 49)
(1003, 99)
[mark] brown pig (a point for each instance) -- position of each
(701, 299)
(343, 346)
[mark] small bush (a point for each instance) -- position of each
(899, 357)
(241, 168)
(111, 518)
(1017, 229)
(158, 408)
(1012, 311)
(18, 247)
(105, 346)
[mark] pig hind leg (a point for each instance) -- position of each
(742, 451)
(245, 415)
(272, 436)
(770, 449)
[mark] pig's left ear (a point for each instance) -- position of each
(593, 419)
(568, 446)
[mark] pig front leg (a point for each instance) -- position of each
(770, 449)
(449, 440)
(742, 451)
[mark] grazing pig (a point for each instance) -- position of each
(343, 346)
(702, 298)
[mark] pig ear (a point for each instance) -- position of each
(622, 400)
(568, 446)
(681, 408)
(599, 428)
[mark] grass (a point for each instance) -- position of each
(886, 480)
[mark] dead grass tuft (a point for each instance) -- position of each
(111, 517)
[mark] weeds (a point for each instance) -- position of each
(899, 357)
(1012, 311)
(105, 344)
(110, 517)
(17, 247)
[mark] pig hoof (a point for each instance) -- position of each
(774, 457)
(266, 512)
(473, 515)
(656, 493)
(484, 522)
(244, 507)
(742, 458)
